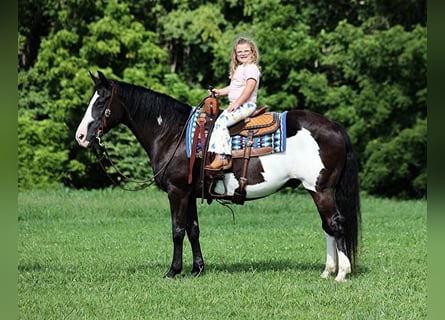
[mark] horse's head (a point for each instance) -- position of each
(102, 114)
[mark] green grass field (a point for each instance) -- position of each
(102, 255)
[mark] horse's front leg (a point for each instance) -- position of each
(178, 210)
(193, 235)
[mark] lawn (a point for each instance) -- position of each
(102, 254)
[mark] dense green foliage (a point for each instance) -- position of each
(362, 63)
(101, 254)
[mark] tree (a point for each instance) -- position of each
(377, 88)
(54, 92)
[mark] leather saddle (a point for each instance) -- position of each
(257, 124)
(260, 122)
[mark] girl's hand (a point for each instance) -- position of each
(232, 107)
(220, 92)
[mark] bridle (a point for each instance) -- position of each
(106, 156)
(107, 114)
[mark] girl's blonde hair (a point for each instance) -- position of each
(234, 61)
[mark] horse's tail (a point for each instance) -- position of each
(347, 197)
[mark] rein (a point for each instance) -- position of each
(105, 155)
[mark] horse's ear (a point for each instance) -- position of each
(95, 80)
(104, 81)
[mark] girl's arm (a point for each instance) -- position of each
(222, 92)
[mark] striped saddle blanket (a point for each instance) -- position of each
(269, 134)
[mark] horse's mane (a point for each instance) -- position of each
(149, 105)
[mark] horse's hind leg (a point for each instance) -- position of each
(193, 235)
(333, 225)
(331, 256)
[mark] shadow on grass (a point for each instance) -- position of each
(249, 267)
(240, 267)
(263, 266)
(218, 267)
(30, 267)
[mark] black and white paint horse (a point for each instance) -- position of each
(318, 155)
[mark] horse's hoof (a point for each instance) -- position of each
(196, 272)
(171, 274)
(325, 274)
(340, 279)
(168, 276)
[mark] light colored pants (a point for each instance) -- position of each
(220, 141)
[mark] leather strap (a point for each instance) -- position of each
(199, 131)
(240, 193)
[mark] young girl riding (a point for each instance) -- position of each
(242, 93)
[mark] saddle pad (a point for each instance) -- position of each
(276, 141)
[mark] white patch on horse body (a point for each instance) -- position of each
(82, 130)
(301, 161)
(159, 119)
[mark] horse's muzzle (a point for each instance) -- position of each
(82, 141)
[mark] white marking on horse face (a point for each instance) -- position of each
(82, 130)
(301, 161)
(159, 120)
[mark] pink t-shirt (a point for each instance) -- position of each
(239, 79)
